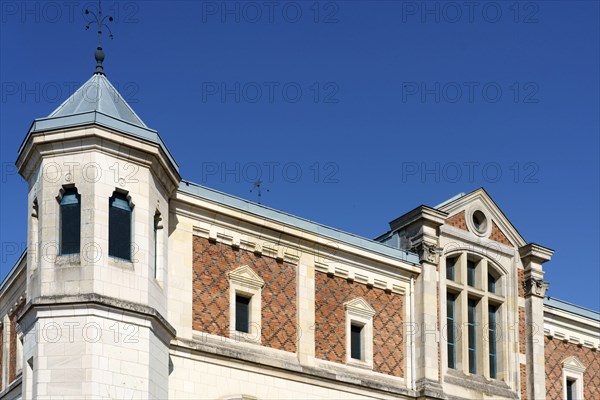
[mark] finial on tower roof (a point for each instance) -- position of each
(99, 21)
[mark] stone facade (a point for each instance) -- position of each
(159, 324)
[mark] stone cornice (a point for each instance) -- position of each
(95, 137)
(278, 361)
(532, 252)
(50, 302)
(423, 214)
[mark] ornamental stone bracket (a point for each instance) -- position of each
(535, 286)
(428, 252)
(533, 256)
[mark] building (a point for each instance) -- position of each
(138, 284)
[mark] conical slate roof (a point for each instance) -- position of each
(98, 94)
(97, 102)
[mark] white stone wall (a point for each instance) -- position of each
(85, 353)
(204, 378)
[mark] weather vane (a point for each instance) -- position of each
(99, 20)
(257, 187)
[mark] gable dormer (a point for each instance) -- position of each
(480, 219)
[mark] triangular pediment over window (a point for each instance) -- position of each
(244, 275)
(573, 363)
(360, 306)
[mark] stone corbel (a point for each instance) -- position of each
(535, 286)
(427, 252)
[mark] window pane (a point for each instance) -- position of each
(492, 340)
(119, 227)
(450, 305)
(70, 222)
(242, 314)
(450, 263)
(471, 273)
(491, 284)
(472, 336)
(356, 342)
(570, 391)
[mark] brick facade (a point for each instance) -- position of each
(556, 352)
(458, 220)
(498, 236)
(520, 282)
(331, 293)
(12, 344)
(522, 330)
(523, 373)
(212, 262)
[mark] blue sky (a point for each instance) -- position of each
(353, 112)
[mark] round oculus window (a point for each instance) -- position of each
(479, 221)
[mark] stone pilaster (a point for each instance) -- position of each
(533, 256)
(422, 224)
(306, 314)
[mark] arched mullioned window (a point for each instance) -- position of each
(474, 300)
(70, 221)
(119, 226)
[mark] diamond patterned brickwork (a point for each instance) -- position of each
(522, 330)
(331, 293)
(12, 344)
(212, 262)
(520, 281)
(458, 220)
(498, 235)
(556, 352)
(523, 372)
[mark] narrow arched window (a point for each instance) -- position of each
(119, 226)
(70, 221)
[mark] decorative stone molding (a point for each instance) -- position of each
(359, 312)
(61, 193)
(573, 370)
(427, 252)
(359, 307)
(483, 231)
(245, 282)
(535, 286)
(244, 276)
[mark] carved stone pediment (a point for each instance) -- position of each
(360, 306)
(244, 275)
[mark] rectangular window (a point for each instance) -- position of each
(450, 263)
(119, 227)
(492, 338)
(356, 341)
(242, 314)
(450, 324)
(491, 284)
(70, 222)
(472, 305)
(570, 389)
(471, 273)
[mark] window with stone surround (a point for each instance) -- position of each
(359, 332)
(245, 302)
(573, 371)
(475, 311)
(120, 226)
(69, 220)
(157, 244)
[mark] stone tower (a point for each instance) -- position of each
(99, 187)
